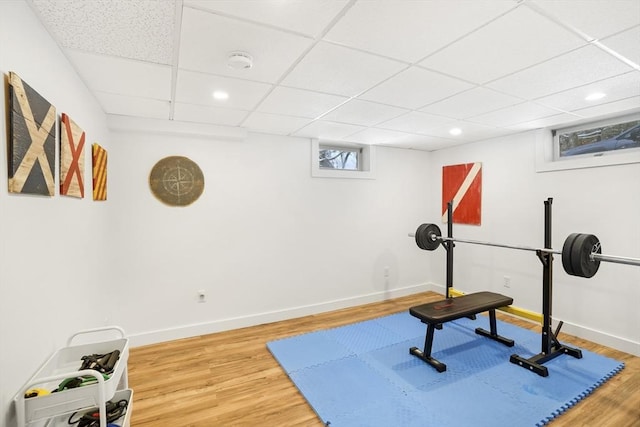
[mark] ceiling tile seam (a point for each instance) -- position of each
(427, 133)
(620, 113)
(356, 96)
(121, 58)
(409, 110)
(369, 128)
(421, 134)
(510, 125)
(194, 104)
(518, 126)
(540, 10)
(175, 57)
(368, 52)
(584, 86)
(340, 122)
(560, 55)
(586, 37)
(316, 40)
(616, 55)
(510, 10)
(225, 76)
(248, 21)
(124, 95)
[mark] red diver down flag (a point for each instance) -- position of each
(462, 185)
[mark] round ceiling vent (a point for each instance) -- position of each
(240, 61)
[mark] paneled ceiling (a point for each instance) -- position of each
(389, 72)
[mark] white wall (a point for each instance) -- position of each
(53, 254)
(265, 240)
(604, 201)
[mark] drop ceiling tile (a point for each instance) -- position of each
(206, 114)
(299, 103)
(340, 70)
(122, 76)
(421, 142)
(615, 88)
(274, 123)
(327, 130)
(364, 113)
(487, 54)
(577, 68)
(197, 88)
(416, 122)
(377, 136)
(141, 30)
(415, 88)
(470, 131)
(525, 112)
(594, 18)
(133, 106)
(621, 106)
(207, 39)
(308, 17)
(409, 30)
(472, 102)
(559, 120)
(626, 43)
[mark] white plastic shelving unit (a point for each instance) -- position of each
(55, 408)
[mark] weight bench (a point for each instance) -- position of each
(434, 314)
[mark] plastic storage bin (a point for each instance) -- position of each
(64, 364)
(124, 421)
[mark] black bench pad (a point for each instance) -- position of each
(458, 307)
(434, 314)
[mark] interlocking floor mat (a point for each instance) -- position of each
(363, 375)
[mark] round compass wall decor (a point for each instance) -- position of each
(176, 181)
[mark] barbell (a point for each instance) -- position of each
(581, 253)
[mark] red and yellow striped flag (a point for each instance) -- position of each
(99, 162)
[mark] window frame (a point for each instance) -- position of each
(366, 160)
(548, 148)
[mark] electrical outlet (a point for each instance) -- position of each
(507, 281)
(386, 272)
(202, 295)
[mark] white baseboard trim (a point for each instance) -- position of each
(580, 331)
(187, 331)
(602, 338)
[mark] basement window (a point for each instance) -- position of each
(607, 142)
(597, 138)
(341, 160)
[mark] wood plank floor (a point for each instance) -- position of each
(231, 379)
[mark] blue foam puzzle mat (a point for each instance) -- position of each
(363, 375)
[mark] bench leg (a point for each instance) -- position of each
(493, 334)
(426, 354)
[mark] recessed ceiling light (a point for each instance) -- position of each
(455, 131)
(595, 96)
(220, 95)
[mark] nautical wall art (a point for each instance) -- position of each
(176, 181)
(72, 139)
(31, 145)
(99, 164)
(462, 185)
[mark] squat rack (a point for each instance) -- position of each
(550, 346)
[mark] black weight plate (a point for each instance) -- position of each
(566, 253)
(424, 237)
(581, 250)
